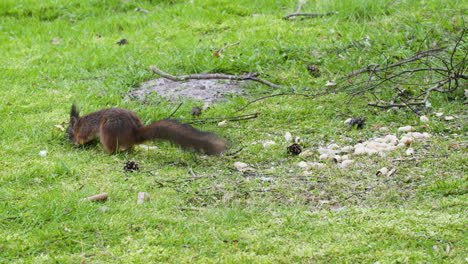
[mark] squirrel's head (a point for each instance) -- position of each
(74, 116)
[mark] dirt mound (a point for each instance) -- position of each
(201, 90)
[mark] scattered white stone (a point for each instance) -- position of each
(448, 118)
(406, 140)
(330, 83)
(344, 157)
(406, 129)
(347, 121)
(400, 145)
(306, 153)
(333, 146)
(297, 140)
(317, 165)
(361, 150)
(302, 164)
(383, 129)
(288, 136)
(337, 158)
(424, 119)
(391, 139)
(223, 123)
(241, 166)
(347, 149)
(324, 157)
(346, 164)
(439, 114)
(267, 143)
(409, 151)
(43, 153)
(382, 172)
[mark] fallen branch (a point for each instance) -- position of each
(294, 15)
(213, 76)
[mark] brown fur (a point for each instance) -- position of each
(119, 129)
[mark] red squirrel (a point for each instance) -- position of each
(119, 129)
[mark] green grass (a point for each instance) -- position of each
(223, 216)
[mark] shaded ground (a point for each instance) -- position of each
(202, 90)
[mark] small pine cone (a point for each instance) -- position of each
(295, 149)
(122, 42)
(357, 122)
(131, 166)
(314, 71)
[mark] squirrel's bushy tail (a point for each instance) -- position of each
(183, 135)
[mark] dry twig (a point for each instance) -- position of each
(294, 15)
(422, 74)
(218, 52)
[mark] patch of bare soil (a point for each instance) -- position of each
(202, 90)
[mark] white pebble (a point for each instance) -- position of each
(344, 157)
(302, 164)
(424, 119)
(317, 165)
(347, 149)
(439, 114)
(406, 129)
(324, 157)
(346, 164)
(268, 143)
(409, 151)
(223, 123)
(360, 150)
(288, 136)
(406, 140)
(337, 158)
(306, 153)
(391, 139)
(333, 146)
(42, 153)
(382, 172)
(448, 118)
(383, 129)
(240, 166)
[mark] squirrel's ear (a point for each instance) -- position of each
(74, 113)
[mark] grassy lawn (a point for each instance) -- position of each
(202, 209)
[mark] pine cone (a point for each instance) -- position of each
(357, 122)
(131, 166)
(295, 149)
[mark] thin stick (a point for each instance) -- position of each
(216, 119)
(173, 112)
(282, 94)
(293, 15)
(218, 52)
(213, 76)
